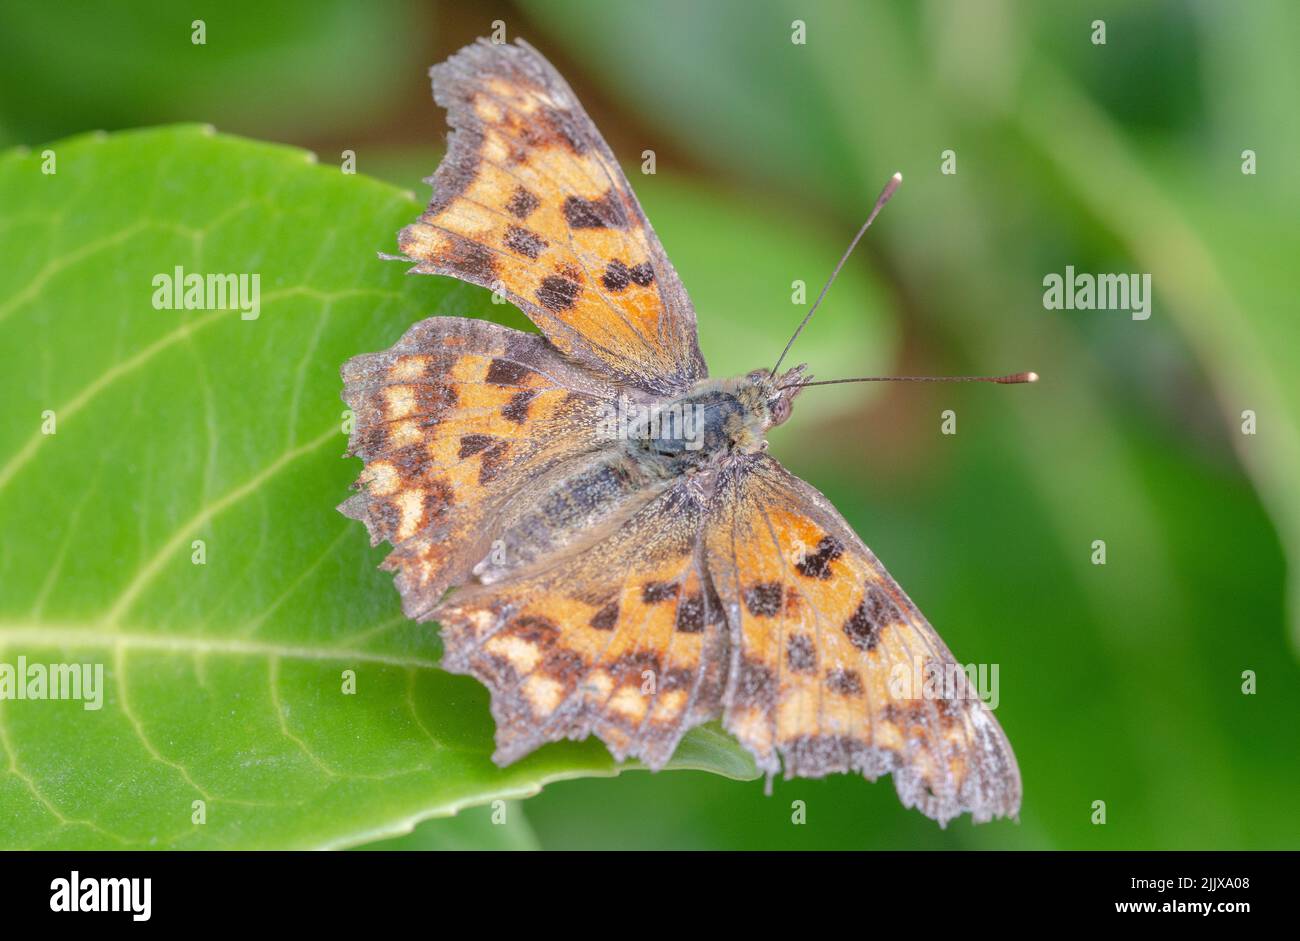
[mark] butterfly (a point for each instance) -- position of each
(595, 522)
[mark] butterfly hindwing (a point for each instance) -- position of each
(530, 201)
(621, 636)
(833, 668)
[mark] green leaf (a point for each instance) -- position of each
(502, 825)
(223, 682)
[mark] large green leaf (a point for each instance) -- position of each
(500, 826)
(223, 681)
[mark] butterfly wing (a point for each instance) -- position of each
(453, 422)
(832, 667)
(621, 636)
(530, 201)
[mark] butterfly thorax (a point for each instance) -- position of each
(716, 421)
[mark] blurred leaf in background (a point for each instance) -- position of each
(1120, 683)
(274, 69)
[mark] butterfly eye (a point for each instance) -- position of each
(780, 409)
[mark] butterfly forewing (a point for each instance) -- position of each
(530, 201)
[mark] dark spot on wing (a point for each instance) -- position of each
(437, 366)
(642, 274)
(949, 712)
(763, 599)
(414, 462)
(370, 441)
(891, 712)
(506, 372)
(882, 607)
(800, 655)
(535, 628)
(548, 126)
(564, 665)
(616, 276)
(911, 715)
(816, 755)
(471, 261)
(558, 125)
(437, 498)
(526, 243)
(606, 617)
(492, 459)
(818, 564)
(697, 611)
(522, 203)
(865, 623)
(755, 685)
(472, 444)
(656, 592)
(431, 400)
(602, 213)
(690, 614)
(557, 293)
(844, 682)
(861, 631)
(516, 410)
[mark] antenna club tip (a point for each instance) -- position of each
(897, 177)
(1017, 378)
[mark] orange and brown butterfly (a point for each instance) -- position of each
(594, 522)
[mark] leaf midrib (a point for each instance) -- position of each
(72, 636)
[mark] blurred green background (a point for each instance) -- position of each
(1119, 683)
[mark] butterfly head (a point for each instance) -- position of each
(770, 397)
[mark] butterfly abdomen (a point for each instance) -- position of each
(556, 512)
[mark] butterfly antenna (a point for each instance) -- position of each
(1013, 379)
(890, 188)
